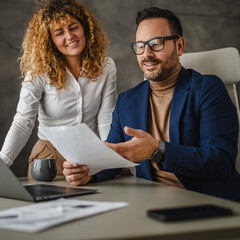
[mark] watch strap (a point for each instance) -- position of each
(158, 155)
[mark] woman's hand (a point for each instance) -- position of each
(76, 174)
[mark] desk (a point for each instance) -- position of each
(132, 222)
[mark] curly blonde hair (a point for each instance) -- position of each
(40, 55)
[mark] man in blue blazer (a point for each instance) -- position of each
(180, 126)
(201, 148)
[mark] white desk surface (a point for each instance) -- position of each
(132, 222)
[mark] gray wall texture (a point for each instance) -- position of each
(207, 25)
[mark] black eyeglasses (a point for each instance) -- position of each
(155, 44)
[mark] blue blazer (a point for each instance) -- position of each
(203, 133)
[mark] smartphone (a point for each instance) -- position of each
(191, 212)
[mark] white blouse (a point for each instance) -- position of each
(82, 101)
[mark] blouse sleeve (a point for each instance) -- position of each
(24, 119)
(109, 96)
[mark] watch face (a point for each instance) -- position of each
(158, 155)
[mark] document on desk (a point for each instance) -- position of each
(37, 217)
(80, 144)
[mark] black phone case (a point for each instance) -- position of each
(191, 212)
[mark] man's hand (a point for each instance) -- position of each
(76, 174)
(139, 148)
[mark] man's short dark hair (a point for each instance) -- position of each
(155, 12)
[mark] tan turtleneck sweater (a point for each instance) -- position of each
(160, 99)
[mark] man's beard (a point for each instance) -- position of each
(166, 69)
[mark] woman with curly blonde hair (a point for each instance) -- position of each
(68, 80)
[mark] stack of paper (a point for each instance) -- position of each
(40, 216)
(80, 144)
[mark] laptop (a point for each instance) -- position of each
(11, 187)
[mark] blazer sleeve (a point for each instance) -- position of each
(215, 154)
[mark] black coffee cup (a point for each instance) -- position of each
(44, 169)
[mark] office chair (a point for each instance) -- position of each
(225, 63)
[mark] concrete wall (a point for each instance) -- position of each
(207, 25)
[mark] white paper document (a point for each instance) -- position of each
(80, 144)
(37, 217)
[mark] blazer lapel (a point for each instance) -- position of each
(178, 101)
(140, 107)
(140, 111)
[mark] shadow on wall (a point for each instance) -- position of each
(206, 24)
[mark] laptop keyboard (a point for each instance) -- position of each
(44, 192)
(39, 191)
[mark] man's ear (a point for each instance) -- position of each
(180, 46)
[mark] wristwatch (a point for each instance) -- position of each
(158, 155)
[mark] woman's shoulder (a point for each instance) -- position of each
(35, 79)
(33, 76)
(109, 60)
(109, 63)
